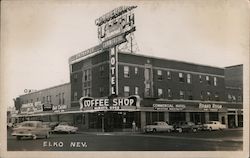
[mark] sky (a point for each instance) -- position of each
(38, 37)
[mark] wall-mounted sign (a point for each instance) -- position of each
(109, 104)
(59, 108)
(118, 21)
(38, 107)
(113, 72)
(47, 107)
(210, 107)
(27, 108)
(169, 107)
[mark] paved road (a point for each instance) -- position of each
(228, 140)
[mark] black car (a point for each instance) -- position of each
(186, 126)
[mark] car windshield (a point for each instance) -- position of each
(64, 123)
(210, 122)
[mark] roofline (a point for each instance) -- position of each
(234, 66)
(45, 89)
(150, 56)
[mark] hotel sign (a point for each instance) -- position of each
(113, 71)
(169, 107)
(115, 22)
(88, 103)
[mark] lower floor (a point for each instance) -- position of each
(135, 120)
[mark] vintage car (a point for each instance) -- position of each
(214, 125)
(158, 127)
(186, 126)
(33, 129)
(65, 127)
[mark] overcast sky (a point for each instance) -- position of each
(38, 37)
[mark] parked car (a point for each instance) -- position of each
(214, 125)
(65, 127)
(158, 127)
(186, 126)
(51, 125)
(31, 129)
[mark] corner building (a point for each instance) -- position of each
(169, 91)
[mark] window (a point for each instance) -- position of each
(47, 99)
(59, 97)
(159, 75)
(233, 98)
(215, 81)
(126, 91)
(75, 96)
(136, 70)
(200, 78)
(216, 96)
(189, 78)
(75, 77)
(37, 99)
(136, 90)
(63, 100)
(86, 92)
(169, 75)
(182, 94)
(239, 98)
(208, 80)
(160, 93)
(189, 95)
(101, 69)
(229, 97)
(101, 91)
(181, 78)
(209, 96)
(43, 99)
(169, 93)
(126, 71)
(202, 95)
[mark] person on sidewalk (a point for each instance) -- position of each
(133, 126)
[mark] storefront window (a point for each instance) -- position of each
(213, 116)
(176, 117)
(152, 117)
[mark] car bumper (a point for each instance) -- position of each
(22, 134)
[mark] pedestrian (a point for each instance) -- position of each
(133, 126)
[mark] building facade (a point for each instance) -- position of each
(45, 105)
(168, 90)
(234, 94)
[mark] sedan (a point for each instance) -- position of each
(214, 125)
(158, 127)
(65, 127)
(31, 129)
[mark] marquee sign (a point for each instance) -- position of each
(118, 21)
(169, 107)
(88, 103)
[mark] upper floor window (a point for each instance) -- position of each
(59, 98)
(87, 75)
(182, 94)
(169, 93)
(181, 77)
(159, 75)
(169, 75)
(209, 97)
(75, 77)
(101, 91)
(229, 97)
(86, 92)
(200, 78)
(101, 69)
(160, 93)
(126, 71)
(190, 95)
(202, 95)
(189, 79)
(75, 96)
(136, 90)
(63, 99)
(208, 80)
(126, 91)
(239, 98)
(216, 96)
(215, 81)
(136, 70)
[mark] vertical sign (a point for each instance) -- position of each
(113, 71)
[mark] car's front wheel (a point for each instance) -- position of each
(194, 130)
(154, 130)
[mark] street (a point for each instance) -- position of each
(227, 140)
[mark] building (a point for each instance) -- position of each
(169, 90)
(46, 104)
(234, 94)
